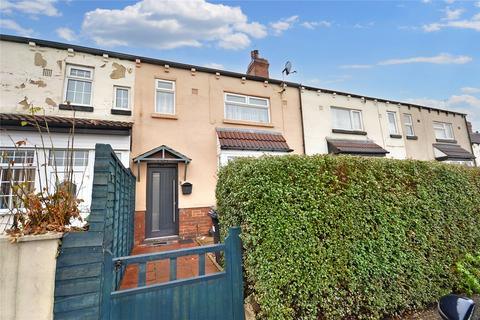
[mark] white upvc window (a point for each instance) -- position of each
(78, 85)
(408, 122)
(347, 119)
(121, 99)
(66, 158)
(164, 96)
(247, 108)
(392, 122)
(443, 130)
(16, 169)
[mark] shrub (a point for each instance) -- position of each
(349, 237)
(469, 270)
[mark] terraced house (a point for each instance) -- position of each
(64, 82)
(176, 124)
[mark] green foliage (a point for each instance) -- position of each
(469, 270)
(348, 237)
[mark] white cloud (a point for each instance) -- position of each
(443, 58)
(364, 25)
(462, 103)
(477, 4)
(356, 66)
(426, 1)
(33, 7)
(314, 24)
(470, 90)
(452, 14)
(172, 24)
(450, 1)
(214, 65)
(473, 23)
(283, 24)
(66, 33)
(12, 25)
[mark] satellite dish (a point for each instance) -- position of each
(288, 68)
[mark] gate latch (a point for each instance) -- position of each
(118, 265)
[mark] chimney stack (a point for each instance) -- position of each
(258, 66)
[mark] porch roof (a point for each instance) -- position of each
(446, 151)
(255, 140)
(355, 147)
(162, 153)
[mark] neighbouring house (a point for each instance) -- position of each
(475, 140)
(64, 82)
(189, 121)
(344, 123)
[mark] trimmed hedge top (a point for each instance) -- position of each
(349, 237)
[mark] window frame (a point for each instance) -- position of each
(408, 124)
(115, 88)
(17, 166)
(68, 77)
(51, 160)
(246, 104)
(394, 113)
(444, 127)
(351, 112)
(173, 90)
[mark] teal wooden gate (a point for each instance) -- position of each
(91, 264)
(206, 296)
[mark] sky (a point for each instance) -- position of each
(425, 51)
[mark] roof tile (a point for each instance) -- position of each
(252, 140)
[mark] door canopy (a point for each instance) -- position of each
(161, 154)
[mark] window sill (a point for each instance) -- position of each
(73, 107)
(121, 112)
(396, 136)
(249, 123)
(412, 138)
(447, 140)
(357, 132)
(164, 116)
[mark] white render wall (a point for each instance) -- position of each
(317, 122)
(22, 79)
(83, 175)
(27, 276)
(476, 153)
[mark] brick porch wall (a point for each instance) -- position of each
(192, 222)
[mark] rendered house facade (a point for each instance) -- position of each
(46, 75)
(189, 121)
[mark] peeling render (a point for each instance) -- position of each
(39, 60)
(24, 103)
(39, 83)
(50, 102)
(60, 64)
(20, 86)
(118, 72)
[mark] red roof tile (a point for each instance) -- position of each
(231, 139)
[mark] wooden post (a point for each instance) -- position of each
(106, 285)
(233, 267)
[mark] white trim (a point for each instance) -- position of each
(444, 126)
(351, 111)
(408, 124)
(173, 90)
(246, 104)
(68, 77)
(394, 122)
(114, 104)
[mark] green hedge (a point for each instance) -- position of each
(349, 237)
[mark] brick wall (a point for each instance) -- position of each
(192, 222)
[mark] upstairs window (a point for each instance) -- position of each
(347, 119)
(165, 97)
(392, 122)
(65, 158)
(122, 96)
(78, 88)
(443, 130)
(247, 108)
(407, 120)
